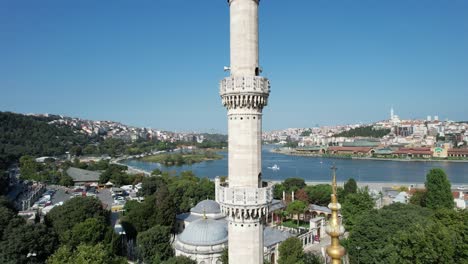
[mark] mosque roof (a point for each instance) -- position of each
(205, 232)
(188, 217)
(207, 207)
(272, 236)
(276, 205)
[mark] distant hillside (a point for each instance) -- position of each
(366, 131)
(32, 135)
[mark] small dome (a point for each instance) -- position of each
(204, 232)
(207, 207)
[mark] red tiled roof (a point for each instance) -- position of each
(422, 151)
(353, 149)
(458, 151)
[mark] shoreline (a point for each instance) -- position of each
(290, 153)
(375, 185)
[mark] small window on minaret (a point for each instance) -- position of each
(257, 71)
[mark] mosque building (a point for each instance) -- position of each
(203, 233)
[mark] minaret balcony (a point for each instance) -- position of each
(244, 85)
(243, 196)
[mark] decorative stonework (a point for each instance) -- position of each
(245, 92)
(244, 204)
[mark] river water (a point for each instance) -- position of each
(318, 169)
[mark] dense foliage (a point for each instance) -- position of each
(366, 131)
(85, 234)
(154, 244)
(288, 185)
(438, 190)
(180, 260)
(21, 242)
(179, 159)
(75, 211)
(31, 135)
(425, 231)
(291, 252)
(354, 206)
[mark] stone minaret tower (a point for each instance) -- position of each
(244, 199)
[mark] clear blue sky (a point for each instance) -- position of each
(157, 63)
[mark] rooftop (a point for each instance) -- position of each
(80, 175)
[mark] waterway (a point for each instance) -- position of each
(316, 169)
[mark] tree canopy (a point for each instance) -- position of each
(291, 252)
(154, 244)
(33, 135)
(354, 206)
(74, 211)
(319, 194)
(438, 192)
(365, 131)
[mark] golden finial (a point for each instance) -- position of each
(334, 229)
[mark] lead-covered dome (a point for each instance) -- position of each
(205, 232)
(206, 207)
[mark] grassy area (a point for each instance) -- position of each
(178, 159)
(293, 224)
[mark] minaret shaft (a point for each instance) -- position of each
(244, 199)
(244, 37)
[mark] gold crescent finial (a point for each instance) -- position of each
(204, 214)
(334, 229)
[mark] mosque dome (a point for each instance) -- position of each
(205, 232)
(206, 207)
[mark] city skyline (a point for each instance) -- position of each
(146, 66)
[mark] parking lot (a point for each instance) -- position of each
(61, 196)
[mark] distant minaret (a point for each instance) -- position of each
(244, 199)
(392, 113)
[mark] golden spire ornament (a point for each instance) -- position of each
(334, 229)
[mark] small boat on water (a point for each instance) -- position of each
(274, 167)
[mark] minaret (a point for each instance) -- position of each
(334, 229)
(244, 199)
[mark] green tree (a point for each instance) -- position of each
(180, 260)
(374, 230)
(29, 168)
(4, 183)
(26, 239)
(90, 231)
(293, 184)
(74, 211)
(150, 185)
(439, 194)
(154, 244)
(354, 206)
(302, 196)
(296, 207)
(7, 215)
(418, 198)
(457, 224)
(350, 187)
(157, 209)
(225, 256)
(66, 180)
(90, 254)
(76, 151)
(311, 258)
(291, 252)
(319, 194)
(278, 190)
(425, 243)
